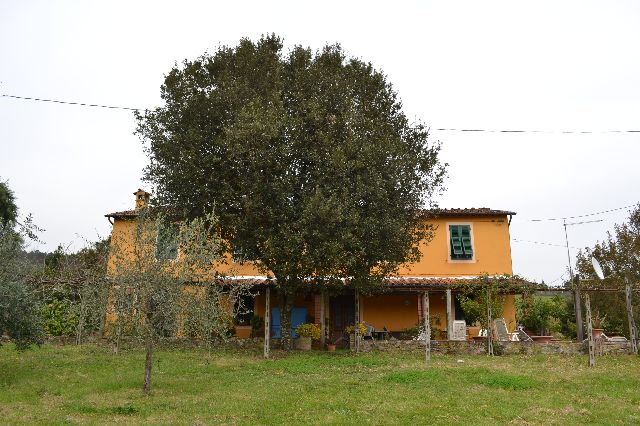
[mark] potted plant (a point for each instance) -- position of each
(306, 332)
(331, 347)
(351, 331)
(598, 322)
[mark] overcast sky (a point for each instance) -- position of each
(548, 66)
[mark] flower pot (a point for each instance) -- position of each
(331, 347)
(597, 332)
(542, 339)
(472, 332)
(243, 331)
(303, 343)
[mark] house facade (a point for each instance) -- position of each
(468, 245)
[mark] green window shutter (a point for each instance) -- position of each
(461, 242)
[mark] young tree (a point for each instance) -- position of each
(19, 316)
(307, 157)
(165, 282)
(619, 256)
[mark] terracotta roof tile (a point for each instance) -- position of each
(473, 211)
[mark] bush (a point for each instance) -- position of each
(257, 322)
(308, 330)
(544, 315)
(59, 318)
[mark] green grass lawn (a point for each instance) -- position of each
(90, 385)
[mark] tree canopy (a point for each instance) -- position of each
(306, 157)
(8, 208)
(619, 255)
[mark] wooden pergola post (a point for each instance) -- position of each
(323, 331)
(633, 332)
(577, 303)
(357, 321)
(449, 315)
(267, 322)
(592, 355)
(489, 327)
(427, 326)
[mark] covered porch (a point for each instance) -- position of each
(390, 314)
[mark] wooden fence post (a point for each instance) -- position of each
(633, 332)
(267, 322)
(427, 326)
(577, 303)
(592, 355)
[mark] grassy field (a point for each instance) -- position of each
(90, 385)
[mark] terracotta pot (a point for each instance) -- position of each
(597, 332)
(331, 347)
(473, 332)
(542, 339)
(303, 343)
(243, 331)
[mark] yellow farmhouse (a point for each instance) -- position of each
(468, 245)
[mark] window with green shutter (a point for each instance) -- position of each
(167, 244)
(460, 241)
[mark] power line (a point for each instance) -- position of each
(437, 129)
(579, 216)
(71, 103)
(580, 132)
(542, 243)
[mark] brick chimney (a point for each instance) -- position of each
(142, 198)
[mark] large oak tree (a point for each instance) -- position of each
(306, 157)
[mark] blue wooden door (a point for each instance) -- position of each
(275, 323)
(298, 316)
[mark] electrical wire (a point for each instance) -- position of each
(579, 216)
(437, 129)
(71, 103)
(543, 243)
(538, 131)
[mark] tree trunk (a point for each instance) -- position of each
(286, 305)
(148, 363)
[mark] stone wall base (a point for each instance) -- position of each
(500, 348)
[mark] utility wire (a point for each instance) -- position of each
(438, 129)
(579, 216)
(71, 103)
(538, 131)
(542, 243)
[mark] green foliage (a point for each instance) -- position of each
(59, 318)
(619, 256)
(307, 158)
(471, 308)
(257, 322)
(19, 316)
(308, 330)
(545, 315)
(8, 208)
(474, 304)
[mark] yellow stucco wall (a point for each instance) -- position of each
(491, 247)
(492, 255)
(489, 235)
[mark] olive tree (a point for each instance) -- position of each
(165, 282)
